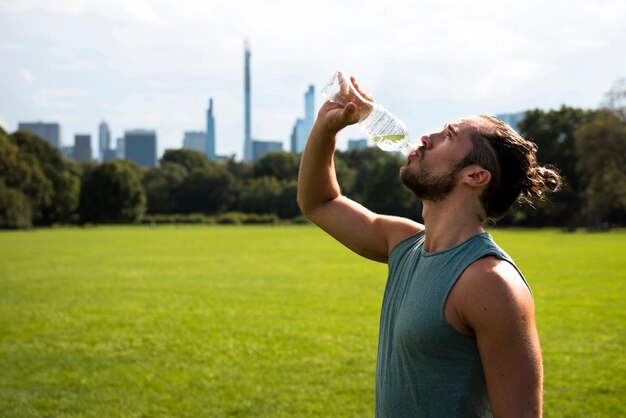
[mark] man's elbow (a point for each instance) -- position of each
(310, 208)
(305, 207)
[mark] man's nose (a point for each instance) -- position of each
(426, 142)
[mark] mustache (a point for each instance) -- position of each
(418, 152)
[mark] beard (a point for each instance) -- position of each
(427, 186)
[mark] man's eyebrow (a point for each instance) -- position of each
(454, 131)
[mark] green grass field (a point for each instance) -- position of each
(263, 321)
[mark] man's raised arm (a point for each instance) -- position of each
(319, 195)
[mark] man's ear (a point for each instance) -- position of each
(476, 176)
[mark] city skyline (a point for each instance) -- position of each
(203, 141)
(152, 65)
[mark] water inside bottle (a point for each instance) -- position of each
(389, 138)
(394, 143)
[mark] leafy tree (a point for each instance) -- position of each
(62, 176)
(346, 176)
(15, 208)
(287, 205)
(112, 193)
(207, 191)
(354, 169)
(162, 186)
(21, 171)
(385, 193)
(553, 132)
(261, 195)
(34, 168)
(241, 170)
(601, 147)
(281, 165)
(190, 159)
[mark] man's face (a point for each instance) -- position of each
(431, 172)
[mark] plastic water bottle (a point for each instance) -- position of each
(387, 131)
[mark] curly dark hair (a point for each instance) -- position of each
(512, 162)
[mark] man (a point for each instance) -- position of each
(457, 329)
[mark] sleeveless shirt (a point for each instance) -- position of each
(425, 368)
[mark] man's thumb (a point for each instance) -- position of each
(350, 114)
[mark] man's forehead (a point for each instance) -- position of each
(464, 124)
(467, 121)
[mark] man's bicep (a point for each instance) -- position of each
(366, 233)
(504, 324)
(512, 365)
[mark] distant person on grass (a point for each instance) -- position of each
(457, 330)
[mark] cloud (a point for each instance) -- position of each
(57, 98)
(26, 76)
(145, 11)
(156, 62)
(10, 46)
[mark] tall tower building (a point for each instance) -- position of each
(140, 147)
(82, 147)
(511, 119)
(309, 107)
(210, 132)
(195, 140)
(302, 127)
(50, 132)
(247, 142)
(120, 150)
(104, 140)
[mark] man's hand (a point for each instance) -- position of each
(350, 93)
(334, 116)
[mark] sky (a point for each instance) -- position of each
(154, 64)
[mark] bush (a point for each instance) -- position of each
(194, 218)
(231, 218)
(299, 220)
(238, 218)
(267, 218)
(112, 193)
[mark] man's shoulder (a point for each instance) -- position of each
(491, 272)
(398, 229)
(494, 285)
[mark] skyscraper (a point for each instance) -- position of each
(82, 148)
(297, 135)
(140, 147)
(357, 144)
(120, 150)
(50, 132)
(302, 127)
(261, 148)
(195, 140)
(511, 119)
(309, 108)
(247, 142)
(210, 132)
(104, 140)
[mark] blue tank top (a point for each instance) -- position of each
(425, 368)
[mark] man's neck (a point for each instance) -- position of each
(449, 223)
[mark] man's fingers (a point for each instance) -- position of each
(365, 95)
(344, 88)
(350, 114)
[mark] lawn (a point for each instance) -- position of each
(263, 321)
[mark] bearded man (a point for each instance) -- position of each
(457, 331)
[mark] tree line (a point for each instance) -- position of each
(38, 187)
